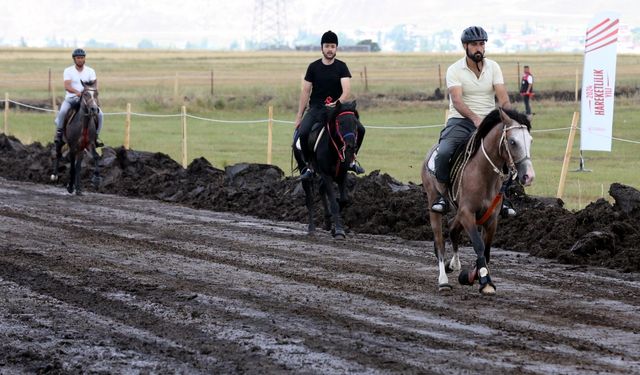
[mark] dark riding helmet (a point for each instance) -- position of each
(473, 34)
(329, 37)
(78, 52)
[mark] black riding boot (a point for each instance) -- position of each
(57, 138)
(355, 167)
(441, 205)
(307, 172)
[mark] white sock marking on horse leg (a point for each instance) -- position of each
(442, 279)
(455, 262)
(484, 272)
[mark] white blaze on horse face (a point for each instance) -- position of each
(522, 155)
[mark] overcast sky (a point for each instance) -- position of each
(172, 23)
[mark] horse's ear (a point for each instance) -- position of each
(504, 117)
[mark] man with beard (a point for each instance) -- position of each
(73, 77)
(326, 81)
(474, 82)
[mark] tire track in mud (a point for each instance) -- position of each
(369, 301)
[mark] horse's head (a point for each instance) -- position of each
(343, 119)
(516, 141)
(90, 98)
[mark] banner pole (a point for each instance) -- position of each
(567, 154)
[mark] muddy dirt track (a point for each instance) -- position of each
(107, 284)
(104, 283)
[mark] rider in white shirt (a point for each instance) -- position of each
(73, 78)
(474, 83)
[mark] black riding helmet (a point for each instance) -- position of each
(78, 52)
(329, 37)
(473, 34)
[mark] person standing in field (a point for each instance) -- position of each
(326, 81)
(474, 82)
(73, 77)
(526, 89)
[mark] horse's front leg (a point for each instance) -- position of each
(56, 161)
(96, 180)
(72, 172)
(328, 222)
(78, 169)
(334, 208)
(481, 270)
(489, 232)
(344, 194)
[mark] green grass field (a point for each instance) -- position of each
(246, 84)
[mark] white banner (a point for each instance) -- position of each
(599, 82)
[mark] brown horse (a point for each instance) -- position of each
(501, 143)
(80, 135)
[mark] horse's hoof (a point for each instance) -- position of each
(488, 290)
(467, 277)
(78, 192)
(54, 178)
(444, 288)
(339, 235)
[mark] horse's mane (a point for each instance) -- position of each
(89, 83)
(493, 119)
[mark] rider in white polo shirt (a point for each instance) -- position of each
(474, 82)
(73, 78)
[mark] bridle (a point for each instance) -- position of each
(503, 144)
(86, 102)
(342, 149)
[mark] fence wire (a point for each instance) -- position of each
(288, 122)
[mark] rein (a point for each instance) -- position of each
(512, 173)
(341, 150)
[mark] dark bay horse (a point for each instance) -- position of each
(502, 142)
(80, 135)
(334, 144)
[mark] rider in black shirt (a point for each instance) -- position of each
(326, 81)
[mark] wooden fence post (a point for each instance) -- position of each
(6, 113)
(211, 82)
(184, 136)
(366, 80)
(54, 107)
(270, 135)
(127, 127)
(518, 78)
(567, 154)
(175, 88)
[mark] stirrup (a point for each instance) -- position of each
(99, 143)
(307, 174)
(355, 167)
(440, 205)
(507, 210)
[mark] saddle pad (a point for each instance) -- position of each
(431, 163)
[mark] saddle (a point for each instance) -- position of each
(456, 165)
